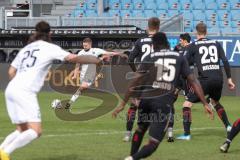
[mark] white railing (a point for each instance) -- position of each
(29, 21)
(90, 21)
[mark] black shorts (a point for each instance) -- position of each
(155, 114)
(211, 88)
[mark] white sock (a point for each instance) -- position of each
(9, 139)
(170, 132)
(23, 139)
(74, 98)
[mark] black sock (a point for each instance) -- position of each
(131, 117)
(136, 141)
(146, 150)
(222, 114)
(235, 130)
(187, 120)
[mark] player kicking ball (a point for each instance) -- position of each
(88, 72)
(27, 73)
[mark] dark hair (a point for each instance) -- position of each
(201, 28)
(185, 36)
(160, 41)
(153, 23)
(87, 40)
(42, 32)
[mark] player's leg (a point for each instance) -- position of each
(75, 96)
(131, 115)
(143, 125)
(215, 95)
(170, 126)
(233, 133)
(27, 135)
(157, 131)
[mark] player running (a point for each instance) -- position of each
(142, 48)
(181, 48)
(88, 72)
(206, 54)
(27, 73)
(161, 69)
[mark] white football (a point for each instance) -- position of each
(56, 103)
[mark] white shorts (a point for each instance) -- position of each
(22, 106)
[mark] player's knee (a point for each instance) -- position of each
(187, 104)
(153, 143)
(213, 102)
(142, 129)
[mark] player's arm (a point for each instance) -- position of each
(133, 54)
(128, 94)
(84, 59)
(226, 65)
(12, 72)
(76, 71)
(192, 80)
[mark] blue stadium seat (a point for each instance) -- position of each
(188, 24)
(138, 4)
(162, 13)
(91, 13)
(172, 13)
(209, 1)
(186, 5)
(211, 6)
(188, 15)
(114, 4)
(150, 5)
(235, 4)
(150, 13)
(78, 13)
(188, 30)
(211, 15)
(213, 30)
(235, 15)
(174, 4)
(125, 13)
(227, 30)
(198, 5)
(213, 24)
(198, 15)
(223, 4)
(126, 4)
(81, 6)
(92, 4)
(223, 15)
(224, 24)
(162, 5)
(236, 24)
(137, 13)
(114, 13)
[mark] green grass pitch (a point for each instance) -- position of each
(101, 138)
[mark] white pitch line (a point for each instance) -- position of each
(112, 132)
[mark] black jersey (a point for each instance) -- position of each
(142, 48)
(163, 69)
(180, 49)
(206, 54)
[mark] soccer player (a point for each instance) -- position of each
(181, 48)
(88, 71)
(142, 48)
(27, 73)
(161, 69)
(206, 54)
(232, 134)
